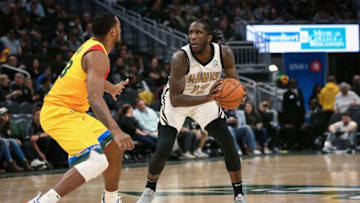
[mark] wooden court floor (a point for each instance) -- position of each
(269, 179)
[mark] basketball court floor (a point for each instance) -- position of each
(276, 179)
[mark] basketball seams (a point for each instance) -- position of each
(230, 85)
(233, 89)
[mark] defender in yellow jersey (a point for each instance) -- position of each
(94, 146)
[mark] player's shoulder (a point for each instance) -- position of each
(179, 56)
(225, 49)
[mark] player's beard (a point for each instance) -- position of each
(200, 47)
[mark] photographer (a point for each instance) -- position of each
(342, 135)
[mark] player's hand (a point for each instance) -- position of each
(124, 141)
(214, 90)
(42, 156)
(244, 94)
(118, 88)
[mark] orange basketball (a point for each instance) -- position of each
(231, 94)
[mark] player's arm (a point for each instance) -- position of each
(178, 65)
(96, 64)
(229, 62)
(115, 90)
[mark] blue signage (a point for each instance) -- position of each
(283, 36)
(308, 69)
(324, 38)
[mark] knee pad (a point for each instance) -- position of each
(93, 166)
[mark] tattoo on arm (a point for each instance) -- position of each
(101, 115)
(179, 64)
(229, 62)
(96, 70)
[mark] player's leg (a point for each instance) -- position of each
(86, 157)
(219, 130)
(211, 117)
(166, 139)
(114, 156)
(112, 173)
(171, 120)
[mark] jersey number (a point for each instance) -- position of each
(67, 67)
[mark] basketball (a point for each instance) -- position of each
(231, 94)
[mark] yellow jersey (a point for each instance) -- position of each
(70, 88)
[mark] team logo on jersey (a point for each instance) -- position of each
(332, 192)
(215, 63)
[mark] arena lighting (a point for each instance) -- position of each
(273, 68)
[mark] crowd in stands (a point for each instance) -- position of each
(180, 13)
(39, 37)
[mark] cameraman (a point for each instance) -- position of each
(344, 130)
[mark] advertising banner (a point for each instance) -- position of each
(307, 38)
(308, 69)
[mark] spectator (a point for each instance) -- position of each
(131, 126)
(293, 116)
(147, 117)
(46, 148)
(14, 137)
(29, 84)
(20, 92)
(241, 132)
(188, 138)
(86, 19)
(5, 6)
(253, 119)
(327, 96)
(345, 98)
(316, 126)
(12, 43)
(4, 52)
(60, 42)
(35, 69)
(233, 122)
(37, 6)
(269, 118)
(342, 135)
(5, 94)
(43, 90)
(315, 93)
(88, 32)
(153, 74)
(73, 44)
(201, 136)
(6, 146)
(356, 84)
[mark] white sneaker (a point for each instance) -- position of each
(36, 199)
(147, 196)
(239, 152)
(117, 200)
(267, 151)
(200, 154)
(187, 155)
(240, 199)
(256, 152)
(37, 163)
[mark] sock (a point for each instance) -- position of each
(110, 196)
(50, 196)
(151, 184)
(237, 188)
